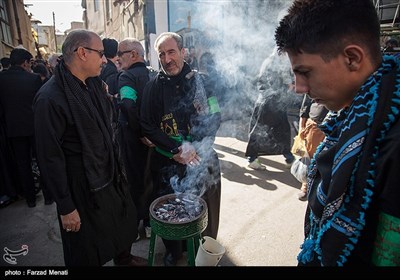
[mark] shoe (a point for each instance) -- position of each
(302, 196)
(147, 231)
(5, 202)
(256, 165)
(131, 261)
(169, 260)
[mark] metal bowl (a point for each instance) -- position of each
(178, 230)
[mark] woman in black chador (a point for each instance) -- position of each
(269, 125)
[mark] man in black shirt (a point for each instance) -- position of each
(180, 115)
(79, 158)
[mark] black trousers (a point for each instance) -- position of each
(135, 157)
(22, 149)
(7, 168)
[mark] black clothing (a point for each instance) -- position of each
(7, 168)
(354, 178)
(22, 148)
(108, 70)
(313, 111)
(106, 210)
(109, 74)
(134, 152)
(169, 95)
(136, 78)
(105, 230)
(93, 126)
(17, 90)
(176, 109)
(193, 63)
(269, 132)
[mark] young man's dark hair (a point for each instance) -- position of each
(392, 43)
(5, 62)
(19, 56)
(318, 30)
(42, 70)
(110, 47)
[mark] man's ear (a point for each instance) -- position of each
(27, 66)
(354, 56)
(81, 53)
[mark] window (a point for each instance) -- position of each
(5, 30)
(108, 10)
(96, 5)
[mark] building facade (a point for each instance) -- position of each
(15, 27)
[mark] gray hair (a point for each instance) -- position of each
(133, 44)
(173, 35)
(53, 59)
(75, 39)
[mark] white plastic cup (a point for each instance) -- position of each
(210, 252)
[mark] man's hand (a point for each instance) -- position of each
(187, 155)
(71, 222)
(147, 142)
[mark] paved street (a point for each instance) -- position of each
(261, 221)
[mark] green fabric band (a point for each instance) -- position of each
(213, 105)
(164, 152)
(178, 139)
(128, 93)
(387, 242)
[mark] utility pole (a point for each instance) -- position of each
(54, 25)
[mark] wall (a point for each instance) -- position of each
(20, 26)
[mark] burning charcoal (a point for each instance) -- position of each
(187, 200)
(169, 206)
(178, 210)
(183, 216)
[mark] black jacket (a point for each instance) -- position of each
(170, 108)
(17, 90)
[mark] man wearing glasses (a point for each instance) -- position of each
(134, 147)
(78, 158)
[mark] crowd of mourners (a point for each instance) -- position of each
(102, 135)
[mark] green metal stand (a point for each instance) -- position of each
(192, 243)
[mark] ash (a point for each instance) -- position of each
(178, 210)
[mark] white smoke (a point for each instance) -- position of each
(240, 36)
